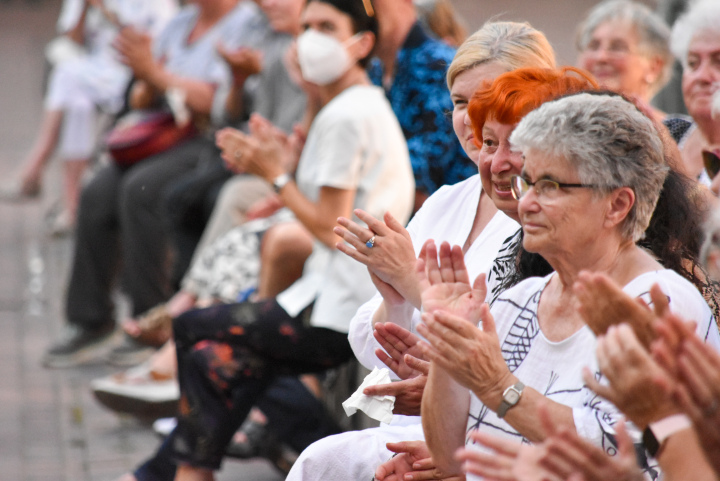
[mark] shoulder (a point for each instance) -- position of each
(355, 105)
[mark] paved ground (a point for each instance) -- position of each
(50, 426)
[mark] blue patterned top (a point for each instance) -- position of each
(421, 101)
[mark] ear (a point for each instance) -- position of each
(364, 44)
(621, 201)
(656, 67)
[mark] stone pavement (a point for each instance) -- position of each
(50, 426)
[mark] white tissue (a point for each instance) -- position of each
(377, 407)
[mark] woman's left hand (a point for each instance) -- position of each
(470, 355)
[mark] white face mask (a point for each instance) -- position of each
(323, 59)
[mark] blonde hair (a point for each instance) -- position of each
(440, 17)
(513, 45)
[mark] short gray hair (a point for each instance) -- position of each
(653, 33)
(703, 15)
(610, 143)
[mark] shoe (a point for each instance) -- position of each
(16, 191)
(62, 225)
(138, 391)
(78, 345)
(129, 353)
(259, 441)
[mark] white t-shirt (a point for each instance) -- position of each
(448, 215)
(555, 368)
(354, 143)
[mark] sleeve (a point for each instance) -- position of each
(339, 157)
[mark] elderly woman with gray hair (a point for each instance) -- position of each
(695, 42)
(593, 172)
(626, 47)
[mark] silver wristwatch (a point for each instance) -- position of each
(511, 396)
(280, 181)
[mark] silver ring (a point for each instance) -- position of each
(370, 243)
(238, 154)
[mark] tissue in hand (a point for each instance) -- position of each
(377, 407)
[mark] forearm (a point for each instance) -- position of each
(445, 406)
(681, 458)
(199, 94)
(235, 103)
(525, 415)
(311, 215)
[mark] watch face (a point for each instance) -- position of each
(512, 397)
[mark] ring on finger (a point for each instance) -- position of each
(238, 154)
(370, 243)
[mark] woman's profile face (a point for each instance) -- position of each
(562, 221)
(701, 77)
(614, 57)
(463, 88)
(497, 163)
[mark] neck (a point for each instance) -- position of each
(392, 38)
(214, 12)
(355, 76)
(619, 262)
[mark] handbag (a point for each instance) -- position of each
(141, 134)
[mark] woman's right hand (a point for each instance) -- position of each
(391, 261)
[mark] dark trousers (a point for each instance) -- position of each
(228, 356)
(188, 204)
(120, 217)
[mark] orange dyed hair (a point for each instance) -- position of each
(514, 94)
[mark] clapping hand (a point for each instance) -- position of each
(412, 462)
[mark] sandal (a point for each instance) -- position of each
(155, 327)
(139, 391)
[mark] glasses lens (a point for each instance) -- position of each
(712, 163)
(518, 186)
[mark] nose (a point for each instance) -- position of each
(505, 160)
(528, 203)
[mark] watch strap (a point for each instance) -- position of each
(511, 396)
(657, 433)
(280, 181)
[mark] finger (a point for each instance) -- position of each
(407, 337)
(405, 446)
(460, 272)
(497, 444)
(352, 252)
(682, 397)
(488, 321)
(599, 389)
(449, 327)
(661, 302)
(431, 263)
(446, 264)
(389, 389)
(626, 447)
(480, 284)
(394, 225)
(350, 238)
(419, 365)
(420, 272)
(375, 225)
(696, 382)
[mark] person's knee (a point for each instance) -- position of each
(286, 242)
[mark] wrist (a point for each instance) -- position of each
(658, 432)
(493, 396)
(279, 181)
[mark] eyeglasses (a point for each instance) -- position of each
(544, 188)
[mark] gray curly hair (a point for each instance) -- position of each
(610, 143)
(652, 31)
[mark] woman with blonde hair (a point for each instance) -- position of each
(497, 48)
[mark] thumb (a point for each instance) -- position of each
(625, 442)
(488, 321)
(480, 283)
